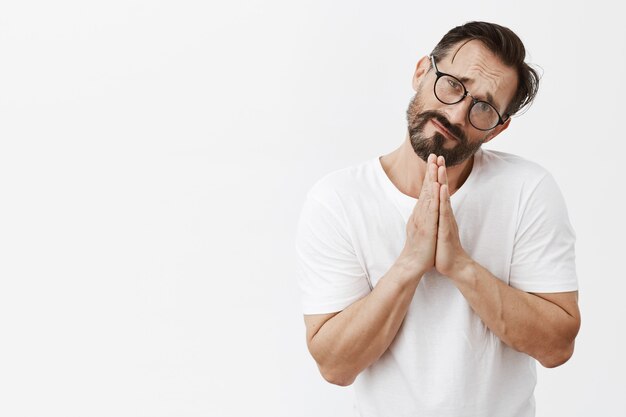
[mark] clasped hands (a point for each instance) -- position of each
(432, 235)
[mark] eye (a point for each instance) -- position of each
(454, 84)
(484, 107)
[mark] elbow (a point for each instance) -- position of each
(559, 355)
(557, 358)
(333, 370)
(335, 377)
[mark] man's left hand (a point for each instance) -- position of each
(450, 256)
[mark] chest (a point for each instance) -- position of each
(486, 230)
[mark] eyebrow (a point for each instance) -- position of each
(466, 79)
(488, 96)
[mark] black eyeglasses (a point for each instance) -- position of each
(450, 90)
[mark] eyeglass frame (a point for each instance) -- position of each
(466, 93)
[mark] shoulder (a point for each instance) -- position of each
(345, 183)
(503, 163)
(330, 203)
(513, 176)
(512, 170)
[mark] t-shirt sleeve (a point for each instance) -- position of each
(329, 273)
(543, 253)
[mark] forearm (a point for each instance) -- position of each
(356, 337)
(525, 322)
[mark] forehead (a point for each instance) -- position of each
(482, 72)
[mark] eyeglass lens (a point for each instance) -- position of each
(482, 115)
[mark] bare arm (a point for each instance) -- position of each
(345, 343)
(543, 326)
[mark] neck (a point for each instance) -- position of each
(406, 170)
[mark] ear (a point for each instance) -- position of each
(496, 131)
(422, 67)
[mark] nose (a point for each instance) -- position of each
(458, 113)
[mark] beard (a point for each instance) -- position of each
(424, 146)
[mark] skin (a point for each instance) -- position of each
(542, 325)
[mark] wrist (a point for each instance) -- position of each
(463, 269)
(408, 269)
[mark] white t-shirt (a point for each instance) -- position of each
(444, 361)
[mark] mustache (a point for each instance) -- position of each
(425, 116)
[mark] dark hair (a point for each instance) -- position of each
(507, 46)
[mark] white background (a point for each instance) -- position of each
(154, 156)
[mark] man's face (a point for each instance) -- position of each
(435, 127)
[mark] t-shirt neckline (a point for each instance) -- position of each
(406, 203)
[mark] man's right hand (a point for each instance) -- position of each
(418, 254)
(346, 342)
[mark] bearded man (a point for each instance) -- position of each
(434, 277)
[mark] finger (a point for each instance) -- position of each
(432, 171)
(434, 206)
(429, 176)
(445, 206)
(428, 201)
(432, 160)
(444, 213)
(432, 214)
(442, 176)
(441, 163)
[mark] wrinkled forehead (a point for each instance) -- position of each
(485, 76)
